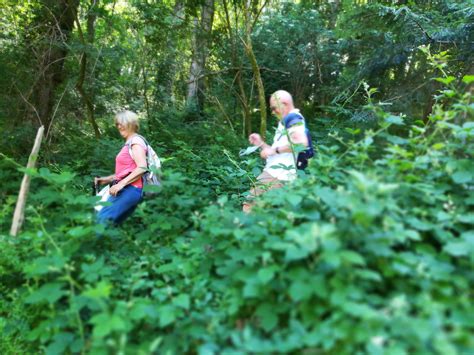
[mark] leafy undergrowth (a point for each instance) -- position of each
(371, 252)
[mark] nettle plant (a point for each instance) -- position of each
(370, 252)
(91, 288)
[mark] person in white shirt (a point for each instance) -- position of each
(281, 155)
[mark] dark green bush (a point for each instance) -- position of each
(370, 252)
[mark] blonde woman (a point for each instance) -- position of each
(127, 185)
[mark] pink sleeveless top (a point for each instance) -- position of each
(124, 164)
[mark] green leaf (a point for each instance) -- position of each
(468, 237)
(80, 231)
(102, 290)
(251, 290)
(466, 218)
(419, 224)
(60, 343)
(266, 274)
(267, 315)
(352, 257)
(300, 290)
(463, 246)
(396, 120)
(446, 80)
(332, 258)
(369, 275)
(462, 170)
(368, 141)
(92, 272)
(182, 301)
(361, 310)
(106, 323)
(49, 293)
(143, 309)
(457, 248)
(438, 146)
(361, 180)
(208, 349)
(295, 253)
(60, 179)
(468, 79)
(45, 265)
(167, 315)
(293, 199)
(468, 126)
(462, 177)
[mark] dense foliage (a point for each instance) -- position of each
(369, 251)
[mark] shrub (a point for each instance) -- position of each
(371, 252)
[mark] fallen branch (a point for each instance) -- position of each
(19, 215)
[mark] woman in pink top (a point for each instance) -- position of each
(126, 191)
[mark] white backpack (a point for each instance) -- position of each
(153, 166)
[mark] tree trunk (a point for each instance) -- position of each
(255, 68)
(246, 115)
(428, 107)
(55, 24)
(201, 40)
(335, 7)
(87, 98)
(167, 67)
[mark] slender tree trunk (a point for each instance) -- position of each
(55, 22)
(428, 108)
(201, 40)
(255, 68)
(335, 7)
(145, 89)
(88, 101)
(168, 66)
(246, 115)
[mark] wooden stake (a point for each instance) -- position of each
(19, 215)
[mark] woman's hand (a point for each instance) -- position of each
(115, 189)
(102, 180)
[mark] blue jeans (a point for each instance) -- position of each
(122, 206)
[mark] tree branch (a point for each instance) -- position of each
(237, 69)
(258, 14)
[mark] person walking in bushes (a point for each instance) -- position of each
(280, 157)
(127, 185)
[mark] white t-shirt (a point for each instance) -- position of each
(273, 166)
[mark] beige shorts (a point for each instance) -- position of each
(264, 183)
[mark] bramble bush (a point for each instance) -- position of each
(370, 252)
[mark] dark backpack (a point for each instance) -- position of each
(303, 157)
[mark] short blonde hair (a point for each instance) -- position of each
(128, 119)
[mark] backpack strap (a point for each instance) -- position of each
(129, 145)
(143, 138)
(292, 119)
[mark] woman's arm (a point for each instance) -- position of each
(139, 156)
(104, 180)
